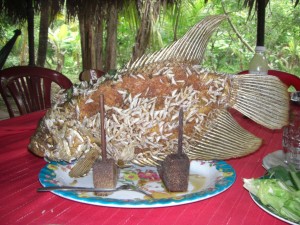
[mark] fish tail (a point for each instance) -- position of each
(264, 99)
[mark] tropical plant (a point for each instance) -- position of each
(64, 48)
(228, 51)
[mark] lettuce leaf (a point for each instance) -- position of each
(279, 190)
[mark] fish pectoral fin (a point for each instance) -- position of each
(223, 139)
(264, 99)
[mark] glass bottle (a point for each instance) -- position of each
(258, 64)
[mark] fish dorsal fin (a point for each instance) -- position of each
(224, 138)
(189, 48)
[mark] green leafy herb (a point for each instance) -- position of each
(279, 190)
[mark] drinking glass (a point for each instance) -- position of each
(291, 134)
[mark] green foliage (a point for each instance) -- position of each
(225, 52)
(125, 41)
(6, 33)
(64, 48)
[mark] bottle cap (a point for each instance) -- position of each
(260, 48)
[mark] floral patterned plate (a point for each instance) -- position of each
(207, 179)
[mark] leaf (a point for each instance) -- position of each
(63, 32)
(296, 179)
(280, 173)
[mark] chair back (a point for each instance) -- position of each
(29, 87)
(286, 78)
(92, 74)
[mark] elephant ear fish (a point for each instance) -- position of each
(142, 104)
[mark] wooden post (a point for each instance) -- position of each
(261, 8)
(30, 24)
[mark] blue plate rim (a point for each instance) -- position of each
(46, 173)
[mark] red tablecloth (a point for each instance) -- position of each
(22, 204)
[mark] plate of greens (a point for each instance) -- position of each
(277, 193)
(270, 210)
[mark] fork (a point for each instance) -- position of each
(128, 187)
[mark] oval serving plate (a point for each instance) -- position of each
(206, 179)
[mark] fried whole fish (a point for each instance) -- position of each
(142, 104)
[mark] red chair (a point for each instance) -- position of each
(30, 88)
(92, 74)
(287, 78)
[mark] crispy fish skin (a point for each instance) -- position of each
(141, 117)
(140, 107)
(142, 104)
(169, 82)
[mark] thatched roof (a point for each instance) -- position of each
(17, 10)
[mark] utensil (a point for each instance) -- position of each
(128, 187)
(215, 178)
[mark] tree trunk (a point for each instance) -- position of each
(85, 34)
(143, 35)
(24, 48)
(99, 44)
(43, 36)
(149, 11)
(91, 32)
(111, 41)
(178, 5)
(30, 24)
(60, 62)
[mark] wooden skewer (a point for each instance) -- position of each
(180, 131)
(103, 135)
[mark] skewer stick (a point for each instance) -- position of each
(103, 135)
(180, 131)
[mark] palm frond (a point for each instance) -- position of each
(252, 5)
